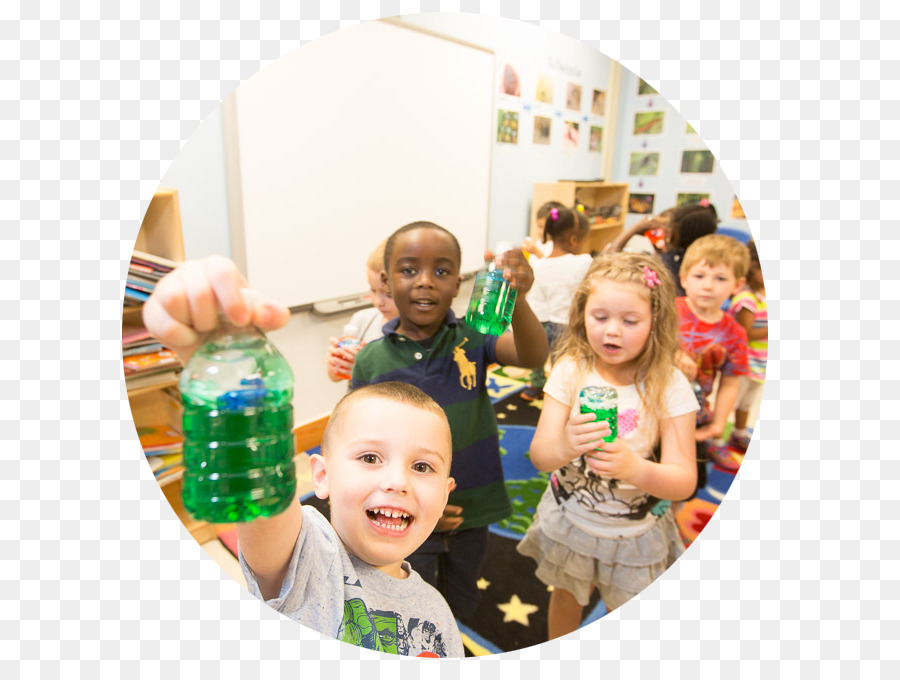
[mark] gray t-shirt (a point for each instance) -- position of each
(331, 591)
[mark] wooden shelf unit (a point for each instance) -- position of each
(160, 234)
(592, 195)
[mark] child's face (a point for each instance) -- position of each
(387, 475)
(755, 277)
(541, 224)
(381, 298)
(423, 276)
(617, 321)
(707, 287)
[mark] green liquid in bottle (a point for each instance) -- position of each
(610, 415)
(603, 402)
(239, 446)
(491, 306)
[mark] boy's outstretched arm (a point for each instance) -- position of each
(726, 397)
(527, 347)
(267, 545)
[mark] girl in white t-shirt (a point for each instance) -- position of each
(365, 325)
(602, 522)
(555, 279)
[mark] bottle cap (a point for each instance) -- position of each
(349, 330)
(503, 246)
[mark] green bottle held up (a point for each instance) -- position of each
(238, 442)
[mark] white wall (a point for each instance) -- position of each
(198, 173)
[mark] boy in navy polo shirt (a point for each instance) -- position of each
(427, 346)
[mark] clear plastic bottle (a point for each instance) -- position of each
(238, 442)
(347, 340)
(493, 299)
(604, 403)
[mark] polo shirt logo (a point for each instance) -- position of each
(466, 367)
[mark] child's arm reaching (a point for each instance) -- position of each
(527, 347)
(745, 317)
(674, 478)
(726, 397)
(267, 545)
(187, 301)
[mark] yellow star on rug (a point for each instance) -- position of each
(516, 610)
(501, 416)
(512, 407)
(482, 583)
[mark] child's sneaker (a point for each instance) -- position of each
(739, 442)
(532, 393)
(726, 458)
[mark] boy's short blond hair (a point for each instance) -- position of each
(399, 392)
(716, 249)
(376, 257)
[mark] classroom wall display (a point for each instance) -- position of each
(737, 210)
(596, 139)
(598, 103)
(573, 97)
(645, 88)
(649, 122)
(644, 163)
(641, 204)
(542, 126)
(686, 198)
(697, 160)
(509, 81)
(570, 135)
(507, 126)
(544, 89)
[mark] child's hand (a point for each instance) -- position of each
(584, 433)
(614, 460)
(186, 303)
(340, 360)
(529, 245)
(687, 364)
(516, 269)
(711, 431)
(451, 519)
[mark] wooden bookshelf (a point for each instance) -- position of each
(605, 196)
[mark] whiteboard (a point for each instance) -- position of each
(350, 137)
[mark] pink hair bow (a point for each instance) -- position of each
(651, 278)
(554, 213)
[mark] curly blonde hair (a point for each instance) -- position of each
(657, 359)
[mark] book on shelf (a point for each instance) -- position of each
(157, 440)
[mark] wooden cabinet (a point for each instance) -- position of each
(605, 204)
(160, 404)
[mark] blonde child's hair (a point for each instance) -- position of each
(376, 257)
(657, 359)
(402, 393)
(716, 249)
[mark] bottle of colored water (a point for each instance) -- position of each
(238, 443)
(604, 403)
(347, 340)
(493, 299)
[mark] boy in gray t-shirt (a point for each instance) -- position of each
(385, 466)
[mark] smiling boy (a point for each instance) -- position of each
(385, 465)
(429, 347)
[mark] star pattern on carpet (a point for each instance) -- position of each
(483, 583)
(516, 610)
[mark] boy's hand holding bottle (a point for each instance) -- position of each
(516, 269)
(187, 302)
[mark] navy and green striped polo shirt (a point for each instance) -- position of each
(453, 372)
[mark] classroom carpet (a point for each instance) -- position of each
(513, 610)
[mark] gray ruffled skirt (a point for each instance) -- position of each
(573, 560)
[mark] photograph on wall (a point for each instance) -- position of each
(642, 204)
(685, 199)
(570, 135)
(509, 81)
(507, 126)
(573, 97)
(644, 88)
(644, 163)
(737, 210)
(541, 130)
(697, 160)
(598, 103)
(689, 129)
(649, 122)
(544, 91)
(596, 139)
